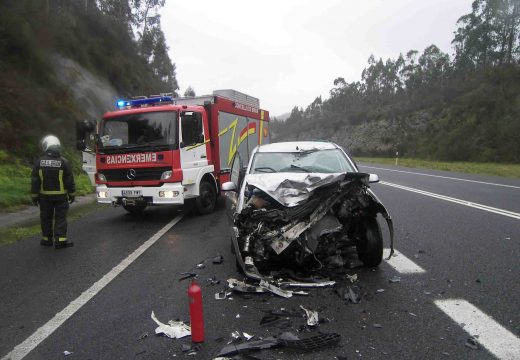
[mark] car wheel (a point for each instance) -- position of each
(205, 202)
(134, 209)
(370, 242)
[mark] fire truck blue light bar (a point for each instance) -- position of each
(140, 102)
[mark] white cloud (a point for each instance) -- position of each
(287, 52)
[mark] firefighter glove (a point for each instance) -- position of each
(72, 198)
(36, 200)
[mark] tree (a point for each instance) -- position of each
(189, 92)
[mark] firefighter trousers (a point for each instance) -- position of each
(53, 216)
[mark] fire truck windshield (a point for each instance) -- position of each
(139, 132)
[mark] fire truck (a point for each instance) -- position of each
(162, 150)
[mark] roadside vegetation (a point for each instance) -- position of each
(429, 105)
(15, 180)
(494, 169)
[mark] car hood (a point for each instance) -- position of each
(291, 189)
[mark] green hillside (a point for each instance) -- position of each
(430, 105)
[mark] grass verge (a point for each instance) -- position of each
(15, 185)
(495, 169)
(9, 235)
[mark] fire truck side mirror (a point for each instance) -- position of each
(83, 128)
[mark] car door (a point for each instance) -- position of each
(192, 146)
(232, 197)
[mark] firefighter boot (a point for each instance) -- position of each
(63, 243)
(46, 241)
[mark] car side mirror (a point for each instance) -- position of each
(373, 178)
(229, 186)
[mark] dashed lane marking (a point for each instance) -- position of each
(21, 350)
(491, 335)
(443, 177)
(503, 212)
(402, 264)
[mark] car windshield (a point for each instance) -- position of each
(139, 131)
(317, 161)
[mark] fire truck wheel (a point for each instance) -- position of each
(370, 242)
(207, 199)
(134, 209)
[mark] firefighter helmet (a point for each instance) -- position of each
(51, 143)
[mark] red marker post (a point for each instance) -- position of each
(196, 314)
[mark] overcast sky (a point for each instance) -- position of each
(287, 52)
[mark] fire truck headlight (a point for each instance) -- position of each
(102, 194)
(168, 194)
(101, 177)
(166, 175)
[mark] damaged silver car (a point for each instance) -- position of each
(302, 206)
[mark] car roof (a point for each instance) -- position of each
(297, 146)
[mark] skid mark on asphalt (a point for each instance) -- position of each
(401, 263)
(444, 177)
(21, 350)
(491, 335)
(507, 213)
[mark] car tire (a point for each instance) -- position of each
(205, 202)
(370, 242)
(134, 209)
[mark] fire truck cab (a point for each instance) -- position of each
(163, 150)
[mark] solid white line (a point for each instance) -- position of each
(402, 264)
(490, 334)
(508, 213)
(443, 177)
(21, 350)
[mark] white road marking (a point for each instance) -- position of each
(401, 263)
(443, 177)
(21, 350)
(490, 334)
(508, 213)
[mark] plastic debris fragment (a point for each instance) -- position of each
(275, 290)
(312, 316)
(247, 336)
(472, 343)
(218, 259)
(67, 353)
(352, 278)
(174, 329)
(395, 279)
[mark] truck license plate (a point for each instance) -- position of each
(131, 193)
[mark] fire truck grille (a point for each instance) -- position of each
(137, 174)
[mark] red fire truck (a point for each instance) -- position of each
(164, 150)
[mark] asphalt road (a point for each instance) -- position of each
(466, 253)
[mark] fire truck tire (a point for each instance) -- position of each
(370, 242)
(205, 202)
(134, 209)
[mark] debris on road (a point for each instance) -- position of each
(67, 353)
(222, 295)
(218, 259)
(312, 316)
(472, 343)
(247, 336)
(394, 279)
(212, 281)
(379, 291)
(352, 278)
(187, 275)
(241, 286)
(275, 290)
(143, 336)
(378, 326)
(174, 329)
(286, 339)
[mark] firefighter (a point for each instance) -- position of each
(52, 188)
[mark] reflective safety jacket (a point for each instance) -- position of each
(52, 178)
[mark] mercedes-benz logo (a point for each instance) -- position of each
(130, 174)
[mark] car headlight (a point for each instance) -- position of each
(101, 177)
(166, 175)
(102, 194)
